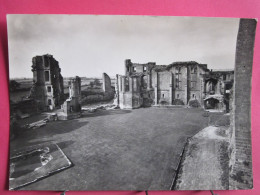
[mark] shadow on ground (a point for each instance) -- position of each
(135, 149)
(105, 112)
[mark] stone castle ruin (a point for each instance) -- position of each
(73, 103)
(47, 89)
(47, 92)
(180, 83)
(143, 85)
(107, 89)
(106, 85)
(218, 86)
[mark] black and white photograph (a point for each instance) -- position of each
(123, 102)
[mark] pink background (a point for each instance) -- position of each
(206, 8)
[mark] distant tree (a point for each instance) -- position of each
(14, 85)
(97, 82)
(91, 84)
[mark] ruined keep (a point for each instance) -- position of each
(179, 83)
(47, 89)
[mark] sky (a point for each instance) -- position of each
(88, 45)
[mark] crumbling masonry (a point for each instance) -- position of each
(106, 85)
(179, 83)
(72, 106)
(240, 135)
(47, 89)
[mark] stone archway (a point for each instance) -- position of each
(214, 102)
(211, 103)
(211, 86)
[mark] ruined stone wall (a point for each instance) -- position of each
(128, 67)
(164, 79)
(196, 85)
(75, 87)
(47, 89)
(37, 93)
(181, 91)
(125, 100)
(72, 106)
(135, 89)
(116, 95)
(106, 83)
(61, 87)
(172, 84)
(132, 68)
(165, 87)
(176, 84)
(139, 67)
(201, 85)
(241, 156)
(57, 94)
(129, 97)
(75, 94)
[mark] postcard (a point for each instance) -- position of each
(120, 102)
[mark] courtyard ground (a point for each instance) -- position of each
(119, 149)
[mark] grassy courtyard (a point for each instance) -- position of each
(119, 149)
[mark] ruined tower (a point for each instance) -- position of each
(47, 89)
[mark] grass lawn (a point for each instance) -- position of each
(119, 149)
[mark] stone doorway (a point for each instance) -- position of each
(212, 103)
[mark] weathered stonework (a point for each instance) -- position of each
(178, 83)
(116, 95)
(106, 83)
(129, 92)
(72, 106)
(75, 94)
(47, 89)
(240, 136)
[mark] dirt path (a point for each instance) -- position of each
(205, 161)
